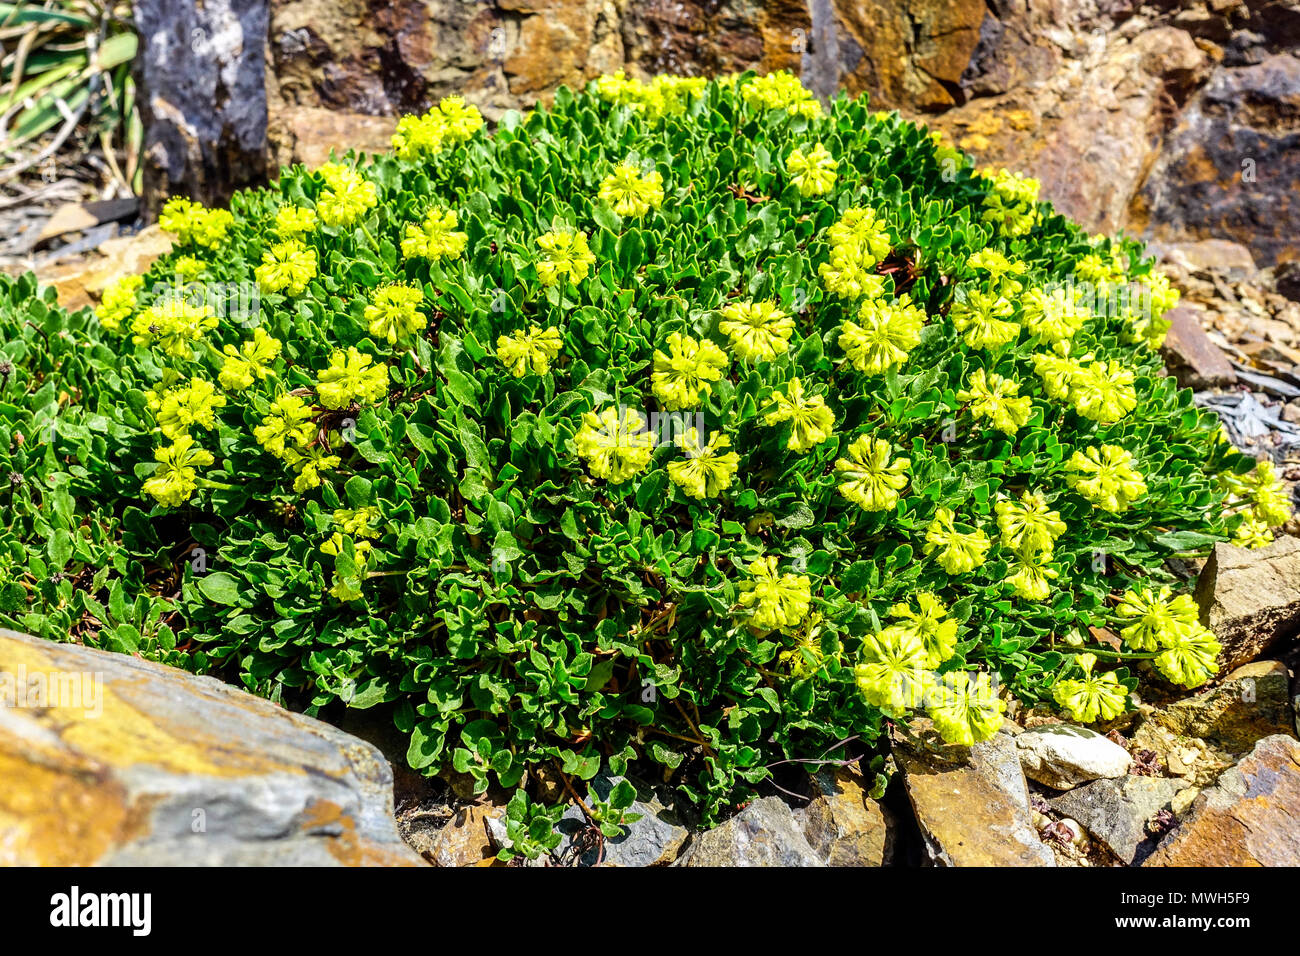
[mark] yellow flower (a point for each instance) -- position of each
(351, 378)
(189, 268)
(985, 318)
(1031, 574)
(1028, 525)
(930, 624)
(781, 90)
(1253, 533)
(118, 302)
(1103, 392)
(176, 478)
(418, 135)
(1106, 477)
(681, 377)
(1096, 695)
(292, 221)
(958, 552)
(759, 331)
(358, 523)
(1010, 202)
(629, 193)
(435, 238)
(461, 120)
(1052, 317)
(1155, 615)
(289, 424)
(777, 601)
(616, 447)
(564, 255)
(251, 362)
(176, 409)
(993, 397)
(858, 240)
(286, 267)
(709, 469)
(534, 348)
(174, 324)
(1190, 655)
(347, 199)
(393, 313)
(811, 422)
(1270, 503)
(191, 222)
(813, 173)
(309, 463)
(964, 707)
(884, 334)
(892, 674)
(872, 482)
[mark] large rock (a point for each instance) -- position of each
(972, 804)
(1229, 167)
(1250, 598)
(201, 85)
(652, 840)
(1116, 811)
(1063, 756)
(765, 833)
(312, 135)
(81, 282)
(1190, 355)
(1253, 702)
(844, 824)
(1248, 819)
(107, 759)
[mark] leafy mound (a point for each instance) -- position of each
(679, 424)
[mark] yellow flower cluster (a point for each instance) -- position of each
(451, 121)
(681, 376)
(179, 408)
(813, 172)
(630, 193)
(1188, 650)
(532, 349)
(998, 399)
(173, 324)
(292, 222)
(289, 426)
(883, 335)
(393, 312)
(811, 421)
(286, 267)
(1092, 697)
(1106, 477)
(776, 601)
(434, 238)
(564, 255)
(1011, 202)
(351, 378)
(1029, 529)
(869, 479)
(663, 96)
(759, 331)
(781, 90)
(958, 552)
(708, 469)
(1051, 316)
(1101, 391)
(176, 477)
(929, 624)
(616, 446)
(1263, 499)
(190, 222)
(189, 268)
(858, 240)
(118, 302)
(347, 195)
(985, 318)
(250, 362)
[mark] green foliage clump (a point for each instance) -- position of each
(681, 427)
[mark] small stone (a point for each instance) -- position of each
(1250, 598)
(765, 833)
(465, 840)
(1116, 811)
(1062, 756)
(652, 840)
(1253, 702)
(1247, 819)
(845, 825)
(1192, 358)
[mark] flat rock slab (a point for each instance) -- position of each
(1248, 819)
(1063, 756)
(1116, 811)
(765, 833)
(844, 824)
(107, 759)
(972, 804)
(652, 840)
(1250, 598)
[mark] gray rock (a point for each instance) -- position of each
(653, 840)
(844, 824)
(1116, 811)
(972, 804)
(139, 764)
(1063, 756)
(765, 833)
(1250, 598)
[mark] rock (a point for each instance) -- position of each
(79, 283)
(1115, 811)
(844, 824)
(1192, 358)
(311, 135)
(465, 840)
(1286, 278)
(1252, 702)
(765, 833)
(1250, 598)
(1248, 819)
(1228, 167)
(1063, 756)
(972, 804)
(1207, 257)
(653, 840)
(201, 90)
(111, 760)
